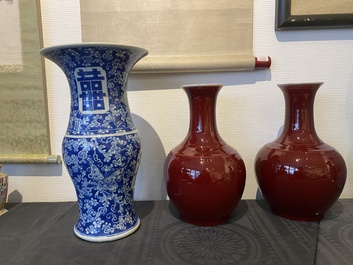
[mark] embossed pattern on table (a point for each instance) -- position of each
(252, 236)
(335, 241)
(41, 233)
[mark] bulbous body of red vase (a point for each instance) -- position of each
(299, 175)
(205, 176)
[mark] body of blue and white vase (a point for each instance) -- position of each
(101, 148)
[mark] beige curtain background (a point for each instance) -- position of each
(181, 36)
(24, 130)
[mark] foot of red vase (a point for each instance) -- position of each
(205, 222)
(315, 218)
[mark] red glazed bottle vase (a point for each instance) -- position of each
(205, 176)
(299, 175)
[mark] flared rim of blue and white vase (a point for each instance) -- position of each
(91, 45)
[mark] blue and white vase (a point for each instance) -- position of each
(101, 148)
(4, 184)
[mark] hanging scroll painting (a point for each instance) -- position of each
(181, 36)
(24, 133)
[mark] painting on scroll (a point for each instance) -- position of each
(181, 36)
(24, 129)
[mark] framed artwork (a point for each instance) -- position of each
(313, 14)
(24, 136)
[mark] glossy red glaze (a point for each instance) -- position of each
(299, 175)
(205, 176)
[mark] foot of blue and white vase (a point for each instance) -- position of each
(110, 237)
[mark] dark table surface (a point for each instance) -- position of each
(42, 233)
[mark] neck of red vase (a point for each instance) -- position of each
(299, 114)
(202, 101)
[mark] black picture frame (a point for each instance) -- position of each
(286, 21)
